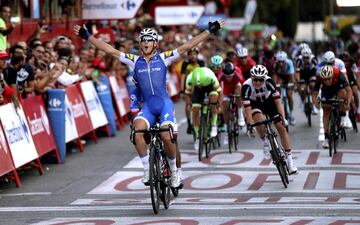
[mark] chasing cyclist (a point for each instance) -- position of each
(231, 81)
(200, 82)
(306, 74)
(284, 75)
(260, 97)
(245, 62)
(187, 67)
(150, 77)
(333, 84)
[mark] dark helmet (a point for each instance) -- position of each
(345, 56)
(228, 69)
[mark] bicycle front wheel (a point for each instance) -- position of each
(278, 160)
(202, 135)
(154, 179)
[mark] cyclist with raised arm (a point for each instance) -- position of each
(333, 84)
(187, 67)
(261, 97)
(150, 77)
(200, 82)
(231, 81)
(284, 76)
(306, 74)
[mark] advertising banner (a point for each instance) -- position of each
(39, 124)
(121, 96)
(104, 92)
(70, 125)
(81, 115)
(93, 105)
(18, 135)
(6, 163)
(178, 15)
(204, 20)
(110, 9)
(56, 112)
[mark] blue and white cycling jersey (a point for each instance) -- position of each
(150, 78)
(338, 63)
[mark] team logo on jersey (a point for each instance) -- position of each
(169, 54)
(130, 56)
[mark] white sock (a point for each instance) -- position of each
(172, 164)
(180, 173)
(145, 161)
(240, 113)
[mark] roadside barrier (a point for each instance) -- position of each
(42, 126)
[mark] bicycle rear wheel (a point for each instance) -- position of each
(235, 132)
(154, 179)
(230, 136)
(308, 108)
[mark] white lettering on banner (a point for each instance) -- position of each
(36, 125)
(45, 120)
(178, 15)
(78, 110)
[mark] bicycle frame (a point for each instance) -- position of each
(159, 170)
(232, 123)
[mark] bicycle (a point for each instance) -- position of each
(205, 140)
(159, 169)
(232, 123)
(277, 152)
(285, 102)
(335, 128)
(308, 106)
(353, 117)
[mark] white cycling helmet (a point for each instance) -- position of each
(306, 52)
(149, 33)
(259, 71)
(281, 56)
(242, 52)
(326, 72)
(303, 45)
(329, 57)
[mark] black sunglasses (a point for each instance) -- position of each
(258, 79)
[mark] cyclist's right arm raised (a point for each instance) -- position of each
(84, 33)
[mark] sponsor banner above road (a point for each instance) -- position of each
(204, 20)
(178, 15)
(110, 9)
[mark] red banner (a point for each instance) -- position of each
(81, 115)
(6, 162)
(125, 94)
(35, 112)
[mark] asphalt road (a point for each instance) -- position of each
(102, 185)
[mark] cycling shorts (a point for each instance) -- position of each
(198, 94)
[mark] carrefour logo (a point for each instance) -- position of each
(55, 102)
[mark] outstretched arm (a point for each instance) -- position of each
(83, 33)
(213, 28)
